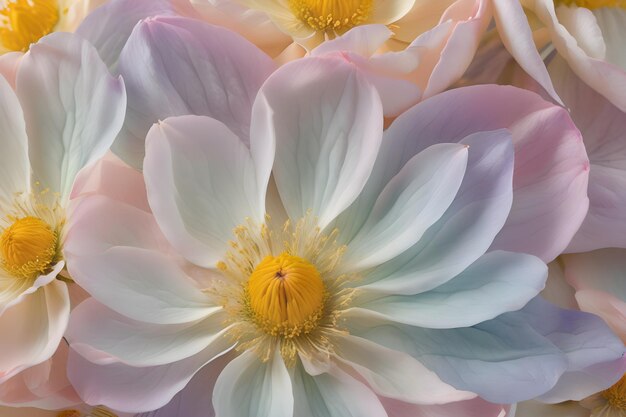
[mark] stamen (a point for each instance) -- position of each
(616, 395)
(332, 16)
(28, 247)
(23, 22)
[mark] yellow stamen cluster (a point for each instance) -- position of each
(282, 289)
(332, 16)
(96, 412)
(28, 247)
(23, 22)
(286, 295)
(592, 4)
(616, 395)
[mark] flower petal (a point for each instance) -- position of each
(467, 228)
(175, 66)
(108, 27)
(325, 121)
(476, 407)
(134, 390)
(395, 374)
(200, 187)
(14, 164)
(536, 408)
(72, 106)
(94, 329)
(411, 202)
(502, 360)
(332, 392)
(363, 40)
(249, 387)
(34, 328)
(496, 283)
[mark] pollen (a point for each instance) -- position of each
(616, 395)
(23, 22)
(286, 295)
(592, 4)
(28, 247)
(332, 16)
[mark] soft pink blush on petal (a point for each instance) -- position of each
(610, 308)
(9, 63)
(476, 407)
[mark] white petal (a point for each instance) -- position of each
(410, 203)
(467, 228)
(33, 328)
(14, 165)
(496, 283)
(389, 11)
(364, 40)
(72, 106)
(612, 22)
(395, 374)
(325, 121)
(202, 182)
(174, 66)
(94, 329)
(250, 387)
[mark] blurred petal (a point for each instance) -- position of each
(536, 408)
(176, 66)
(325, 121)
(249, 387)
(470, 408)
(201, 187)
(72, 106)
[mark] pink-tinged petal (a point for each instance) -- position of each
(601, 270)
(9, 63)
(196, 399)
(112, 178)
(103, 337)
(470, 408)
(175, 66)
(109, 27)
(558, 291)
(135, 390)
(76, 120)
(248, 386)
(44, 385)
(323, 389)
(33, 328)
(200, 187)
(610, 308)
(517, 37)
(364, 40)
(14, 164)
(325, 121)
(602, 126)
(395, 374)
(607, 79)
(412, 201)
(472, 19)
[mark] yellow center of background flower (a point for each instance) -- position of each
(332, 15)
(286, 295)
(23, 22)
(28, 247)
(616, 395)
(592, 4)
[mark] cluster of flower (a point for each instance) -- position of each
(312, 208)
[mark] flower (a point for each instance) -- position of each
(587, 34)
(384, 242)
(47, 139)
(82, 410)
(24, 22)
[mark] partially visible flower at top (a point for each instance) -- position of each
(47, 138)
(587, 34)
(398, 252)
(24, 22)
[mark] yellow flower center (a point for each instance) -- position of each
(332, 15)
(96, 412)
(592, 4)
(616, 395)
(286, 295)
(69, 413)
(23, 22)
(28, 247)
